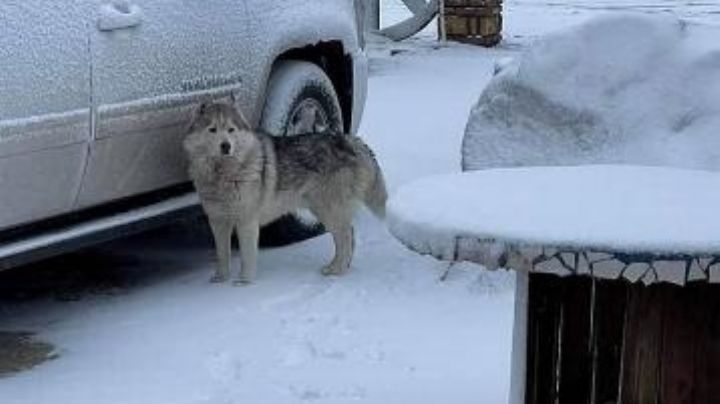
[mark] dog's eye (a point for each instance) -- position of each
(212, 130)
(231, 129)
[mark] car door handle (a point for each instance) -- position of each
(119, 14)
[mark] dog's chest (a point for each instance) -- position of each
(231, 198)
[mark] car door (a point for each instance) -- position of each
(153, 61)
(44, 107)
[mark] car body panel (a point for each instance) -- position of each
(44, 107)
(146, 80)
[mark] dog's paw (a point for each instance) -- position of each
(242, 282)
(332, 271)
(218, 278)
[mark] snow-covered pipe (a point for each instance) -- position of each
(372, 14)
(415, 6)
(414, 24)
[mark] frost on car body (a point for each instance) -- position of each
(96, 95)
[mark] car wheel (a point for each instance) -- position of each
(300, 99)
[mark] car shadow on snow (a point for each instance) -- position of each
(112, 268)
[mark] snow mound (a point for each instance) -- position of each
(626, 89)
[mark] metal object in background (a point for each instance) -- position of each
(371, 10)
(423, 13)
(471, 21)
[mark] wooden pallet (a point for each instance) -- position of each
(477, 22)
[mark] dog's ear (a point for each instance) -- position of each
(237, 114)
(245, 124)
(238, 117)
(200, 110)
(197, 117)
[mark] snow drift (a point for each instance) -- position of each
(618, 89)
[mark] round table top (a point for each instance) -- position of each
(604, 207)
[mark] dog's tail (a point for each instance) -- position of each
(376, 195)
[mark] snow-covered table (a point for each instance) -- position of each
(594, 338)
(641, 223)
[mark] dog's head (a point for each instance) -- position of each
(218, 130)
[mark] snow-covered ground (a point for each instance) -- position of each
(525, 20)
(387, 332)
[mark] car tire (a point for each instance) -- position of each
(300, 98)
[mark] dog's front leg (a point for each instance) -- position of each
(247, 232)
(222, 232)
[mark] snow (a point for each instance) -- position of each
(276, 26)
(394, 12)
(387, 332)
(418, 104)
(527, 20)
(285, 87)
(634, 209)
(18, 136)
(618, 89)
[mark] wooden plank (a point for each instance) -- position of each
(472, 3)
(679, 336)
(543, 322)
(474, 13)
(610, 307)
(576, 355)
(455, 25)
(651, 345)
(707, 346)
(643, 340)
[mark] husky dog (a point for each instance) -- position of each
(246, 179)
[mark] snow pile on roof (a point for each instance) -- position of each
(618, 89)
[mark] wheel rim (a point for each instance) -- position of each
(307, 117)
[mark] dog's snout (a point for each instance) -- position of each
(225, 147)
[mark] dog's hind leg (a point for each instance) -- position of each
(339, 224)
(222, 232)
(247, 233)
(344, 240)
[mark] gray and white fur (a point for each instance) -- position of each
(246, 179)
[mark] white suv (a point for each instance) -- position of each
(95, 96)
